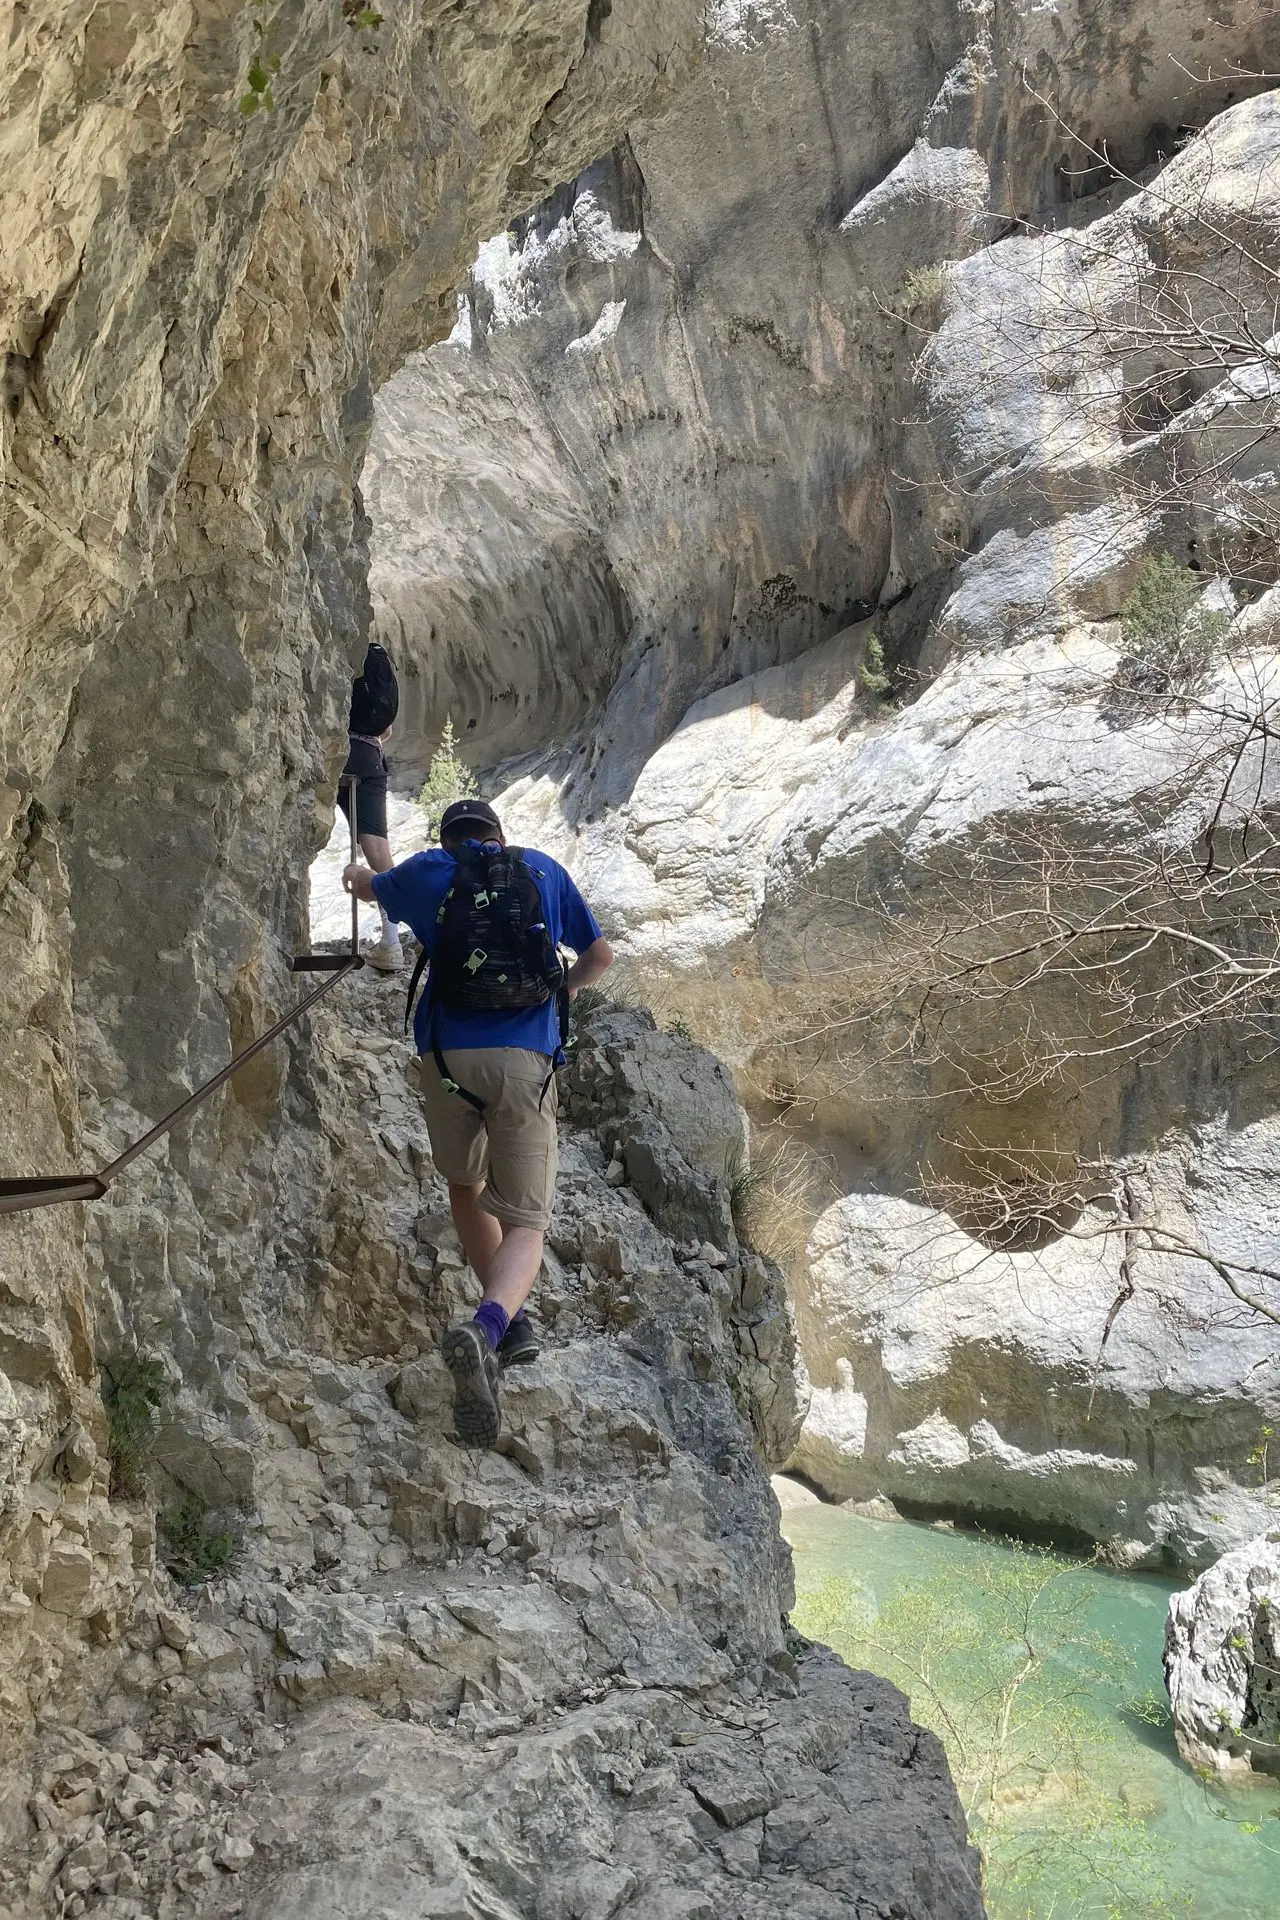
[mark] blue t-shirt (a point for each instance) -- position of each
(412, 892)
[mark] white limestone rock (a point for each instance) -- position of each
(1222, 1661)
(951, 1375)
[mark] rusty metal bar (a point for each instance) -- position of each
(51, 1190)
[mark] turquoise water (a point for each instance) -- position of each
(1209, 1867)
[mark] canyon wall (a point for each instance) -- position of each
(303, 1653)
(904, 393)
(202, 288)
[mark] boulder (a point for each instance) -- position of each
(1222, 1662)
(952, 1376)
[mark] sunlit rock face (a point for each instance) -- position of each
(664, 446)
(885, 399)
(201, 289)
(1220, 1661)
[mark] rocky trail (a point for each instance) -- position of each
(553, 1680)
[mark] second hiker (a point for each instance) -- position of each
(490, 1028)
(375, 702)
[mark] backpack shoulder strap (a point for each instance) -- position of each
(422, 960)
(414, 978)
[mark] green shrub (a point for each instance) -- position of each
(871, 674)
(264, 69)
(448, 779)
(1259, 1459)
(1168, 641)
(132, 1396)
(921, 298)
(192, 1549)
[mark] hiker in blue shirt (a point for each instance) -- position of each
(489, 1030)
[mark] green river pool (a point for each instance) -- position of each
(1123, 1828)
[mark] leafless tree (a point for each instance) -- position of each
(1049, 954)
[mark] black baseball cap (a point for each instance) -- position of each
(477, 812)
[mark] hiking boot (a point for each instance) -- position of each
(519, 1344)
(476, 1419)
(387, 956)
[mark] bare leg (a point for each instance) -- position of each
(514, 1268)
(479, 1232)
(468, 1353)
(377, 852)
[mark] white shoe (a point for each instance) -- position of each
(387, 956)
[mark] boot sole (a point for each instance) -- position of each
(522, 1357)
(476, 1419)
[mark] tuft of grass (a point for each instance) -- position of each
(678, 1027)
(589, 1000)
(744, 1179)
(132, 1396)
(775, 1197)
(192, 1549)
(780, 1197)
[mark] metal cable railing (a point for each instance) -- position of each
(52, 1190)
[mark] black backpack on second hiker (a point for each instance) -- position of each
(375, 696)
(493, 949)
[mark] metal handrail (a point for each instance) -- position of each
(53, 1190)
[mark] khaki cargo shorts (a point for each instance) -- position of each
(512, 1145)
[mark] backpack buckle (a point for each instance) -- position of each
(475, 960)
(450, 1086)
(482, 899)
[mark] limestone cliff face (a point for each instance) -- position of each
(555, 1681)
(762, 425)
(1220, 1662)
(196, 305)
(663, 449)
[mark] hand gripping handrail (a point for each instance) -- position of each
(53, 1190)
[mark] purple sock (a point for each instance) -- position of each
(492, 1321)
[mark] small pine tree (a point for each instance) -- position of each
(1168, 639)
(448, 779)
(871, 673)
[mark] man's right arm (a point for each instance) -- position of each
(403, 889)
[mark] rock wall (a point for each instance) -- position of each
(887, 398)
(197, 304)
(665, 437)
